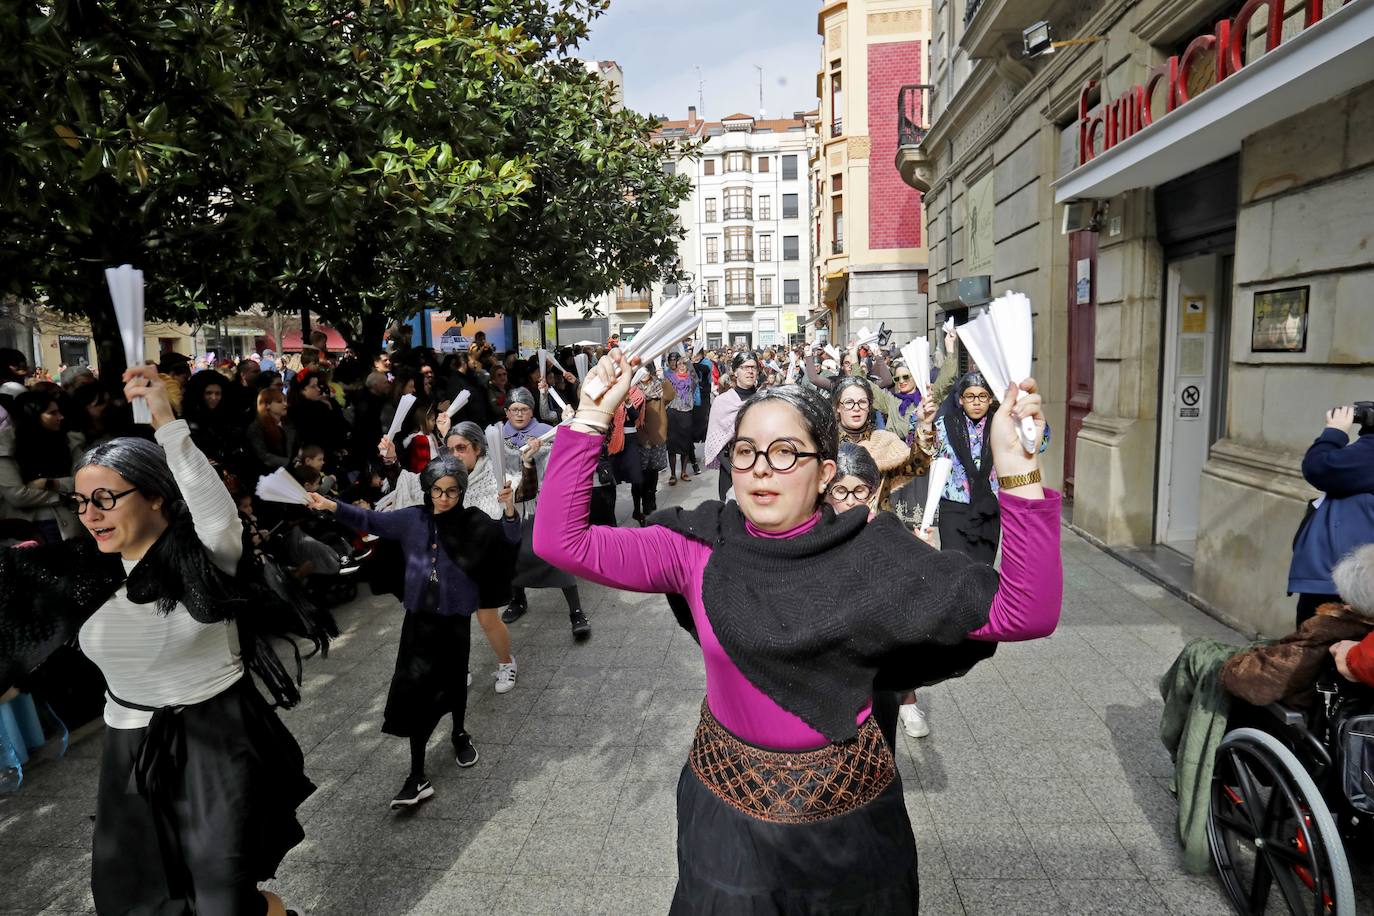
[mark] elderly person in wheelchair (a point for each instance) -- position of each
(1273, 748)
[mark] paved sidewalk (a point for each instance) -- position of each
(1042, 788)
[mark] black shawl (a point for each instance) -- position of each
(474, 541)
(48, 592)
(812, 620)
(984, 510)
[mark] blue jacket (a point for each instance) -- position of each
(411, 528)
(1344, 520)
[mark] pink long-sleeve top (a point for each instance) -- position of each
(657, 560)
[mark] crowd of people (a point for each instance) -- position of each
(458, 481)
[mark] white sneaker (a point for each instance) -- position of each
(505, 677)
(914, 721)
(469, 678)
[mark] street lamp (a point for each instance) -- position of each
(1037, 39)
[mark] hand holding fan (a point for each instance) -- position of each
(126, 292)
(917, 356)
(670, 325)
(1000, 342)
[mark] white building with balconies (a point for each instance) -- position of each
(747, 251)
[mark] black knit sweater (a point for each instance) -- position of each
(811, 620)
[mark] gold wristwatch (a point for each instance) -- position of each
(1018, 480)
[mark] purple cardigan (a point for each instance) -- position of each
(411, 527)
(655, 559)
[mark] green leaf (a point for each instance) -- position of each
(156, 118)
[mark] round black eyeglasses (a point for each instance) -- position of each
(781, 455)
(102, 498)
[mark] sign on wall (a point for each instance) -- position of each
(978, 206)
(1083, 282)
(1194, 318)
(1280, 321)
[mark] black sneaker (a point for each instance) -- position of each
(412, 793)
(580, 627)
(514, 611)
(348, 566)
(463, 751)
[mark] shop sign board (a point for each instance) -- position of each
(1180, 77)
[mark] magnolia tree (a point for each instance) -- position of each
(360, 160)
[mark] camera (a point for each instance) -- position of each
(1364, 415)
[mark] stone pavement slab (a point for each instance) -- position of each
(1042, 788)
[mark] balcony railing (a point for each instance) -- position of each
(741, 254)
(837, 127)
(632, 300)
(837, 246)
(739, 212)
(971, 10)
(738, 299)
(911, 115)
(791, 298)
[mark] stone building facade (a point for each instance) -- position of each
(870, 249)
(1182, 193)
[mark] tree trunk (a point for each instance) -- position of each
(367, 343)
(109, 344)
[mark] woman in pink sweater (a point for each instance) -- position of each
(789, 802)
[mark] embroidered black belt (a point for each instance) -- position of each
(786, 787)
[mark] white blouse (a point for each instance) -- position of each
(172, 660)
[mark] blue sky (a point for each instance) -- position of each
(660, 44)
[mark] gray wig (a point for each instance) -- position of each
(473, 433)
(521, 396)
(437, 470)
(816, 413)
(855, 461)
(140, 462)
(1354, 579)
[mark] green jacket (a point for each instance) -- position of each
(890, 405)
(1196, 707)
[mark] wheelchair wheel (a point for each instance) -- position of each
(1269, 826)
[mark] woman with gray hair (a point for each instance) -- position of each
(1354, 578)
(199, 780)
(525, 439)
(456, 558)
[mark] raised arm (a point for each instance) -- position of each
(213, 512)
(1031, 591)
(390, 525)
(814, 377)
(651, 559)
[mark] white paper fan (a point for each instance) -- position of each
(281, 487)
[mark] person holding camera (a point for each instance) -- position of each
(1342, 518)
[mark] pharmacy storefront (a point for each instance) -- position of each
(1222, 288)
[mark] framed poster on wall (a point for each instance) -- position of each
(1280, 324)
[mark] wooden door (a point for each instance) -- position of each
(1082, 343)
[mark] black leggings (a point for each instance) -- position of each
(570, 595)
(645, 493)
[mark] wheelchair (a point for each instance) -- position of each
(1292, 802)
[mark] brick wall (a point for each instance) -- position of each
(894, 208)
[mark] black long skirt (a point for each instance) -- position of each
(221, 824)
(680, 432)
(531, 571)
(431, 677)
(731, 864)
(958, 532)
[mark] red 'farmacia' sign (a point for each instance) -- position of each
(1132, 112)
